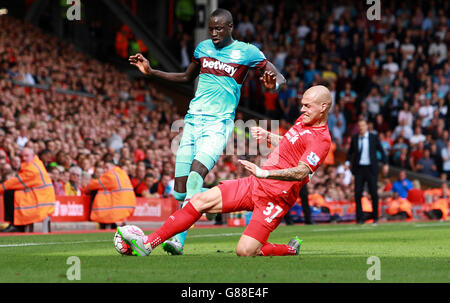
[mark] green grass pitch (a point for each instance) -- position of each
(336, 253)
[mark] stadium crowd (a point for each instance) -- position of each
(72, 133)
(393, 72)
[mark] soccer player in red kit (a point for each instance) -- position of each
(269, 192)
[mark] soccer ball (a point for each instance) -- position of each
(121, 246)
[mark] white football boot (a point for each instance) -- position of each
(135, 241)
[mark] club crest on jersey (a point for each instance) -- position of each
(235, 54)
(216, 64)
(313, 159)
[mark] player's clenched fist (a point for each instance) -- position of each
(259, 133)
(269, 80)
(140, 62)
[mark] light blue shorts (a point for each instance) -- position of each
(204, 139)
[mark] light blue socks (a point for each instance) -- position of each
(193, 185)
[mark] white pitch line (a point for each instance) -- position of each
(48, 243)
(344, 229)
(215, 235)
(98, 241)
(431, 224)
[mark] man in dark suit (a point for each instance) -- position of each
(363, 156)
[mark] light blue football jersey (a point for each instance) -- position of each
(222, 72)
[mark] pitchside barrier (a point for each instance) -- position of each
(77, 209)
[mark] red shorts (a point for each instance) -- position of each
(245, 194)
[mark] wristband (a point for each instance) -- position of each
(261, 173)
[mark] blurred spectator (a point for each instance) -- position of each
(284, 95)
(438, 48)
(337, 124)
(403, 161)
(402, 130)
(270, 103)
(381, 126)
(165, 186)
(415, 194)
(445, 154)
(426, 165)
(385, 188)
(392, 107)
(147, 188)
(311, 74)
(85, 179)
(405, 115)
(58, 185)
(73, 186)
(374, 103)
(402, 185)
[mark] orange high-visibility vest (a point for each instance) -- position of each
(398, 205)
(115, 200)
(329, 159)
(440, 204)
(34, 197)
(366, 205)
(317, 200)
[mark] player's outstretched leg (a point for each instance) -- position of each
(179, 221)
(249, 246)
(292, 248)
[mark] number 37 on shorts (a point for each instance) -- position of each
(271, 211)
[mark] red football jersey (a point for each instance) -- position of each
(301, 143)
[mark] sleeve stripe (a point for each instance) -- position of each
(260, 64)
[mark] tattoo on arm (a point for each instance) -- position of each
(297, 173)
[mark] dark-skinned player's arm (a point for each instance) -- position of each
(191, 72)
(272, 78)
(297, 173)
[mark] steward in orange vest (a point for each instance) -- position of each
(398, 208)
(366, 206)
(437, 204)
(115, 200)
(437, 209)
(29, 197)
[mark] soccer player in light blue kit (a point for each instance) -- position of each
(222, 64)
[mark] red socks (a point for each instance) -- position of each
(178, 222)
(269, 249)
(183, 218)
